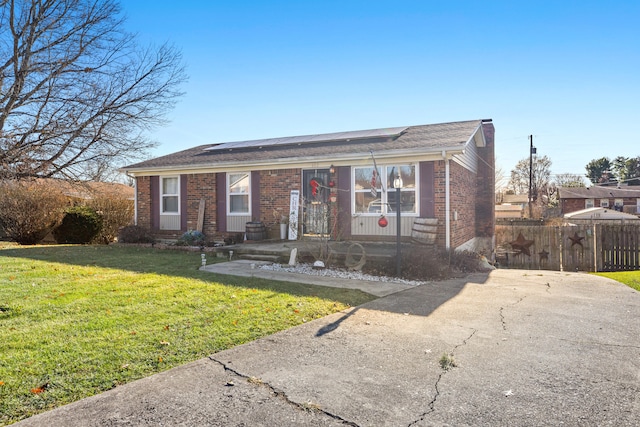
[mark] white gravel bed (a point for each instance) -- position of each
(334, 272)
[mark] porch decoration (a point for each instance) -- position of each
(382, 221)
(351, 262)
(315, 185)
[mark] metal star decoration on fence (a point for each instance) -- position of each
(576, 240)
(544, 255)
(521, 245)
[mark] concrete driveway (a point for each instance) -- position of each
(528, 348)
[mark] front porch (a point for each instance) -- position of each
(336, 252)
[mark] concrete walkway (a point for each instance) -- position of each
(509, 348)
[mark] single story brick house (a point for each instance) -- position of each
(623, 199)
(447, 173)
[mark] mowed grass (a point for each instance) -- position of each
(629, 278)
(79, 320)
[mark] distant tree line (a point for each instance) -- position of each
(619, 170)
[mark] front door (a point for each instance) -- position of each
(315, 201)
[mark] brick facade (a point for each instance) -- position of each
(485, 185)
(572, 205)
(274, 195)
(275, 192)
(202, 186)
(462, 186)
(143, 197)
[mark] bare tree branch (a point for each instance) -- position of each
(76, 90)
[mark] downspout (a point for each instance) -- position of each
(447, 203)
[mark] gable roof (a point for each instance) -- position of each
(387, 142)
(597, 192)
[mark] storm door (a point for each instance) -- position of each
(315, 201)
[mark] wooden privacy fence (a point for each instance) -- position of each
(583, 247)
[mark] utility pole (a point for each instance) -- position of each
(532, 151)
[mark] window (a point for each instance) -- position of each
(588, 203)
(618, 204)
(368, 201)
(604, 203)
(170, 195)
(238, 194)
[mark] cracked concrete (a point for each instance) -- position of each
(570, 356)
(308, 406)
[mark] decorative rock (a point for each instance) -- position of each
(318, 265)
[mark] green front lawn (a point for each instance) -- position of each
(629, 278)
(79, 320)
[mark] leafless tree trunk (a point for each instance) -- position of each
(76, 89)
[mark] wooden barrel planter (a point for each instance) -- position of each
(255, 231)
(424, 231)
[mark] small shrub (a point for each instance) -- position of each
(427, 263)
(80, 225)
(135, 234)
(465, 261)
(191, 238)
(29, 210)
(116, 212)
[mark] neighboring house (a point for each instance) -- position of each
(509, 211)
(86, 190)
(511, 205)
(625, 199)
(599, 215)
(446, 169)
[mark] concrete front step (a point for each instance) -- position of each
(261, 257)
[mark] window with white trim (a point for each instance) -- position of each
(238, 194)
(604, 203)
(170, 195)
(589, 203)
(368, 201)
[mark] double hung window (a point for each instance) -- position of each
(239, 200)
(170, 195)
(376, 194)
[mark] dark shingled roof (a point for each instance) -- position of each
(421, 139)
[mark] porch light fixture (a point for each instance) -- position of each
(332, 169)
(397, 184)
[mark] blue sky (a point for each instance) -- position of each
(567, 72)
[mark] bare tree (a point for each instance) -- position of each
(76, 89)
(569, 180)
(540, 177)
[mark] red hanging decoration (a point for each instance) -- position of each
(314, 187)
(382, 221)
